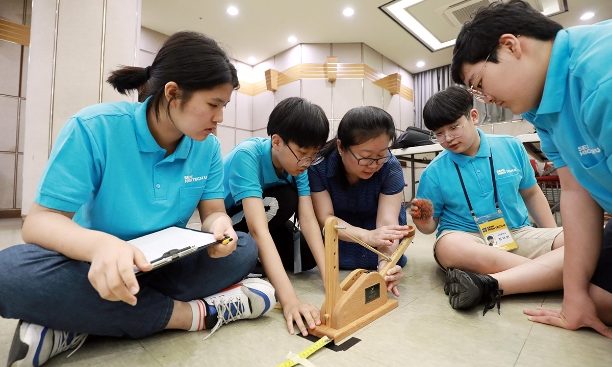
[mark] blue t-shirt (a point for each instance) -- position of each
(249, 171)
(440, 183)
(107, 168)
(357, 204)
(574, 118)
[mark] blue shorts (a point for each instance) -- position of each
(603, 273)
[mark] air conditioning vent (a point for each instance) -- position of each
(460, 13)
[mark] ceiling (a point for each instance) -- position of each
(262, 27)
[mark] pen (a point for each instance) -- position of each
(226, 240)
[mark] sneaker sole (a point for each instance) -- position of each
(463, 293)
(449, 278)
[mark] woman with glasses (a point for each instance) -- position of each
(482, 188)
(362, 184)
(266, 184)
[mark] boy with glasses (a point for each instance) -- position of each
(482, 188)
(561, 80)
(266, 183)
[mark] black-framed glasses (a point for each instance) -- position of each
(305, 162)
(476, 91)
(368, 161)
(453, 132)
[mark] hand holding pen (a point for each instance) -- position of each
(225, 235)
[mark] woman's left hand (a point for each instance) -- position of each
(392, 278)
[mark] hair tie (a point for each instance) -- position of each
(148, 72)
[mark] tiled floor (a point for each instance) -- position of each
(422, 331)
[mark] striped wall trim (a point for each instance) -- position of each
(252, 89)
(406, 93)
(272, 80)
(331, 68)
(331, 71)
(13, 32)
(391, 82)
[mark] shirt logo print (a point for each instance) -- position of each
(190, 178)
(503, 171)
(585, 149)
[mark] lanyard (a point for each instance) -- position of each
(465, 191)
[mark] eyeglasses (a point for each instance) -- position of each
(368, 161)
(453, 132)
(477, 90)
(305, 162)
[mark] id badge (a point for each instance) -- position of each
(495, 232)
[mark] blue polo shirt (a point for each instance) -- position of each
(440, 183)
(357, 204)
(249, 171)
(107, 168)
(574, 118)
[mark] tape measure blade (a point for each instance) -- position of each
(310, 350)
(314, 347)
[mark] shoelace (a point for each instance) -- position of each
(224, 306)
(64, 340)
(493, 299)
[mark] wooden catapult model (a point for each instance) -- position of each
(361, 297)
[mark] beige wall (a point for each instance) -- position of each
(338, 97)
(73, 46)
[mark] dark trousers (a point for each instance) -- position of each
(281, 203)
(46, 288)
(603, 272)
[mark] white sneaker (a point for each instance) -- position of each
(248, 299)
(34, 345)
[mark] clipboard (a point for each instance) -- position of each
(171, 244)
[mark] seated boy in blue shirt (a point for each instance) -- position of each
(475, 182)
(266, 183)
(561, 80)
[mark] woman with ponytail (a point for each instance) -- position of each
(119, 171)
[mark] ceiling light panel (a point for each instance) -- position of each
(411, 16)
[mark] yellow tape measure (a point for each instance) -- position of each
(307, 352)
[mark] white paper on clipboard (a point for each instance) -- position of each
(170, 244)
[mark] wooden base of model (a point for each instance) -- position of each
(361, 297)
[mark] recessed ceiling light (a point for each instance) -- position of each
(400, 11)
(420, 64)
(252, 60)
(292, 39)
(232, 10)
(587, 15)
(348, 12)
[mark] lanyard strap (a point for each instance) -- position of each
(467, 198)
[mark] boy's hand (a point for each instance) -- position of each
(421, 210)
(577, 311)
(295, 311)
